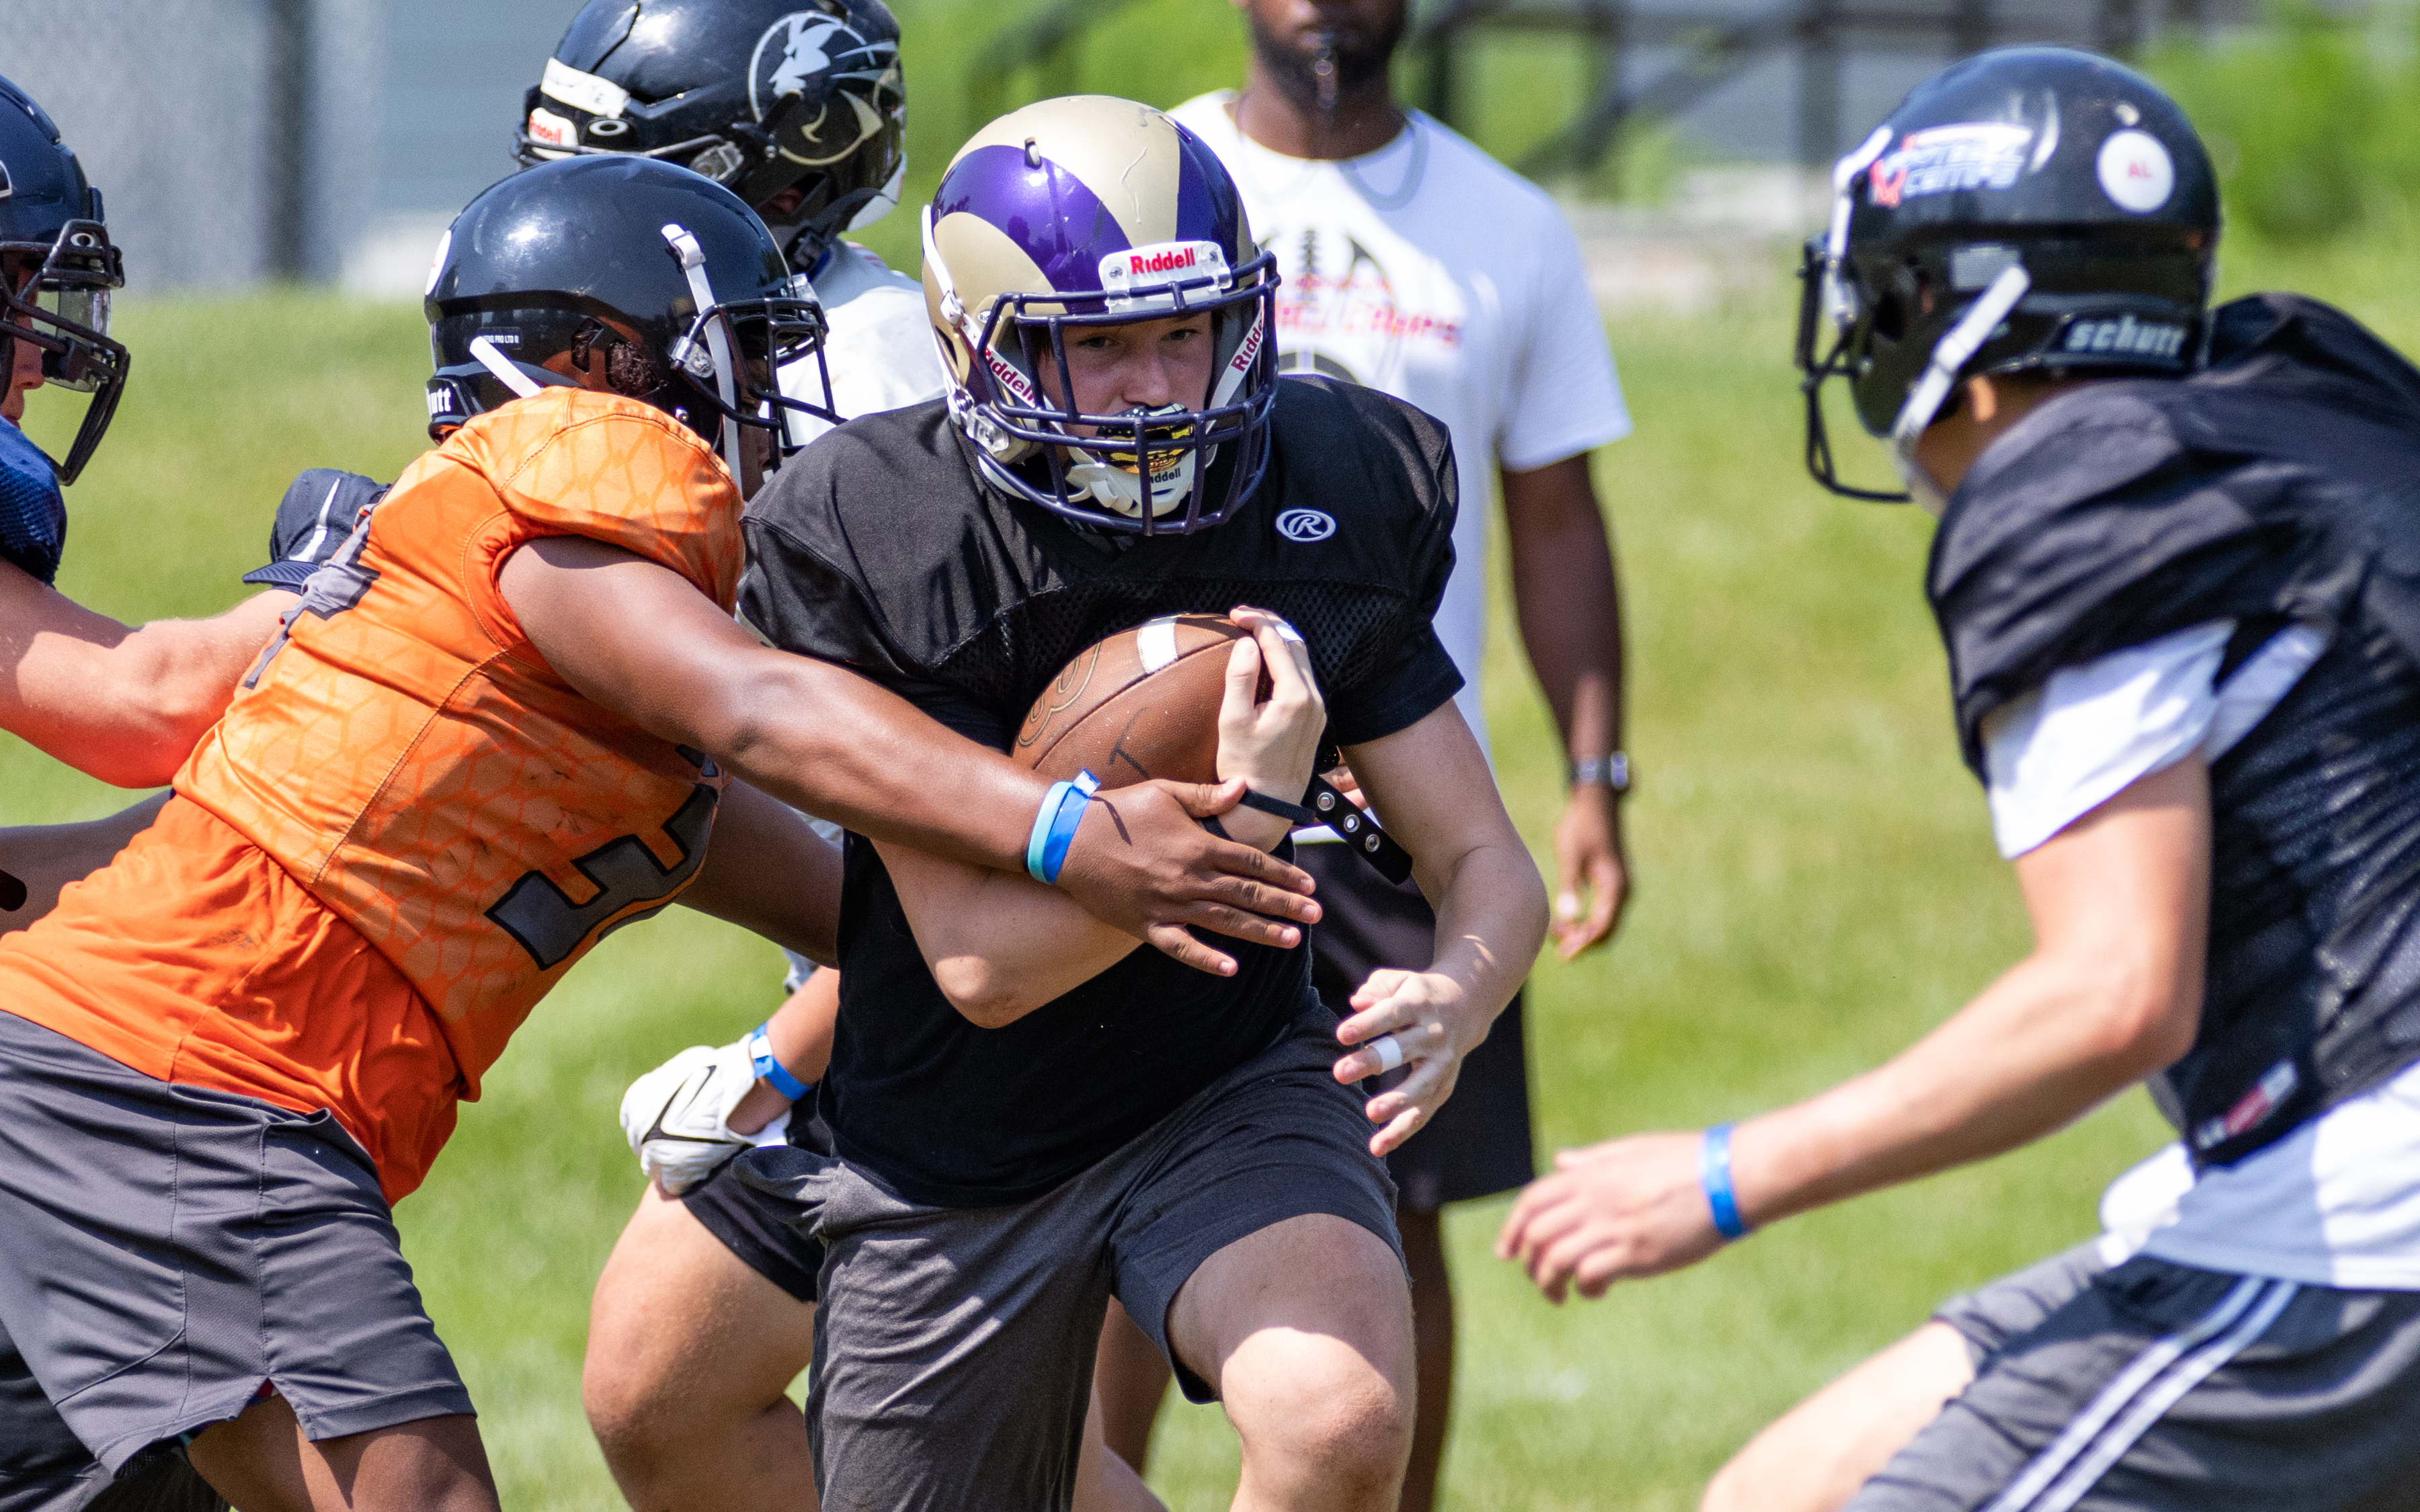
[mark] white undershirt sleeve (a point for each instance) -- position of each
(2056, 754)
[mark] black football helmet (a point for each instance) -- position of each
(662, 276)
(798, 106)
(2031, 208)
(60, 269)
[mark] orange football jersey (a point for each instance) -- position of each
(404, 753)
(409, 756)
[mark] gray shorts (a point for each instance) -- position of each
(166, 1252)
(953, 1353)
(2156, 1387)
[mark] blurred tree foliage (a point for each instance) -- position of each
(2313, 118)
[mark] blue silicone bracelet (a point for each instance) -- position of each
(1714, 1175)
(1063, 826)
(1043, 817)
(771, 1071)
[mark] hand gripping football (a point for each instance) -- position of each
(1139, 705)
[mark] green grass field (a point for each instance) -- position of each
(1816, 886)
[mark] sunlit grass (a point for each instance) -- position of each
(1816, 886)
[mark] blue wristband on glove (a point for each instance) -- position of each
(1054, 826)
(1714, 1175)
(771, 1071)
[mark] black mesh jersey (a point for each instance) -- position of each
(2279, 484)
(877, 548)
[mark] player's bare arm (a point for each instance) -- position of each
(1570, 616)
(2110, 994)
(768, 871)
(639, 640)
(1001, 944)
(1432, 784)
(123, 704)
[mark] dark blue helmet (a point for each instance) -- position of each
(59, 268)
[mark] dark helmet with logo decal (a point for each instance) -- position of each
(657, 280)
(2029, 209)
(796, 106)
(1074, 214)
(60, 270)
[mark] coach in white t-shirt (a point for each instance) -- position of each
(1414, 263)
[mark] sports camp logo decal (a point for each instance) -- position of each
(1944, 160)
(863, 74)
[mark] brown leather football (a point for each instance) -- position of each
(1139, 705)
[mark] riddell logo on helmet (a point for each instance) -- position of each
(1134, 271)
(2125, 336)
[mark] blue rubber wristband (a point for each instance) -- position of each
(1046, 852)
(1714, 1175)
(771, 1071)
(1043, 817)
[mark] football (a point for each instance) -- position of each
(1139, 705)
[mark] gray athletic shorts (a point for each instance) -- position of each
(166, 1252)
(953, 1353)
(2155, 1387)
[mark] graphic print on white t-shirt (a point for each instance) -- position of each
(1342, 312)
(1428, 270)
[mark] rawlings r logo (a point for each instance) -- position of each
(1306, 525)
(552, 928)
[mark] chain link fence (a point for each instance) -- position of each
(232, 140)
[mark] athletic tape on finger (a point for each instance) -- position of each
(1390, 1053)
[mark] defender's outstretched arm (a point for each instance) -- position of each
(1000, 946)
(639, 639)
(2110, 993)
(122, 703)
(768, 872)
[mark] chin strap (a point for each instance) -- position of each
(1954, 351)
(506, 373)
(717, 341)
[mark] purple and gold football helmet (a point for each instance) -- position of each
(1093, 211)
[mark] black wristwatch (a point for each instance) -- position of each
(1602, 771)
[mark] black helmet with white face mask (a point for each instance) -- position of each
(654, 276)
(2031, 210)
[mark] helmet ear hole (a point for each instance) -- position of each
(632, 372)
(1890, 317)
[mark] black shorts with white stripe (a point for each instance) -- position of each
(2156, 1387)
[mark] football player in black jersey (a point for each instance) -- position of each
(2174, 577)
(1029, 1116)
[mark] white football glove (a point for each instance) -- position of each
(675, 1116)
